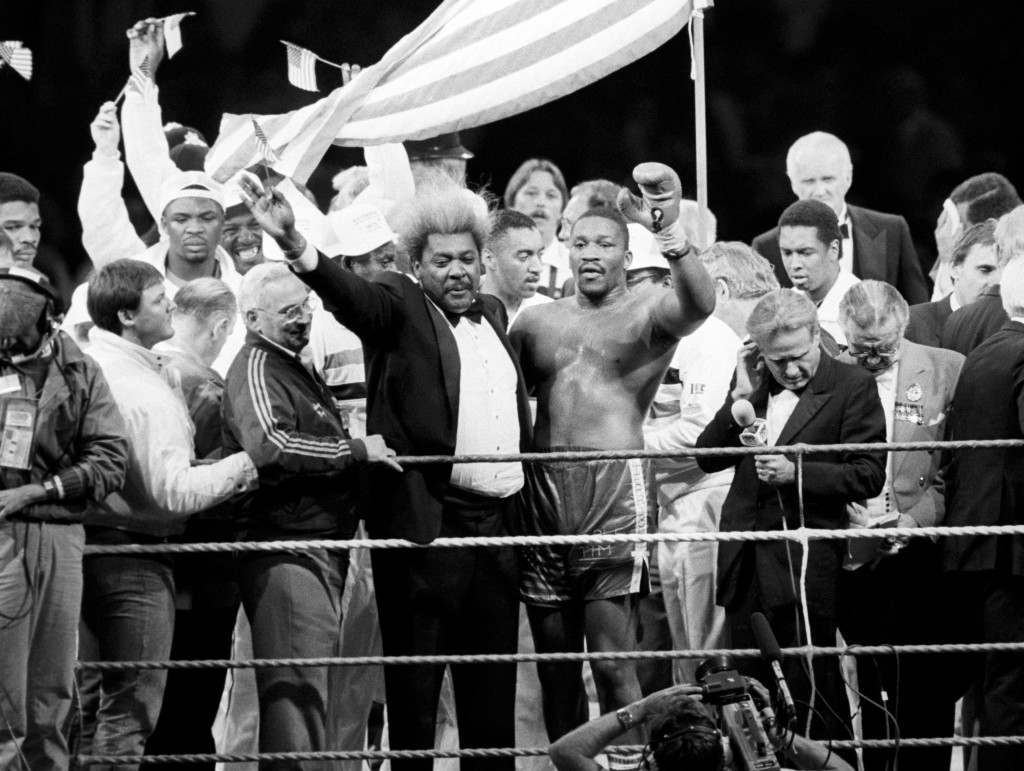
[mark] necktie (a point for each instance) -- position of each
(844, 230)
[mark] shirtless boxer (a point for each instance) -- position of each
(594, 361)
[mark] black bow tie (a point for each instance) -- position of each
(844, 230)
(774, 388)
(474, 312)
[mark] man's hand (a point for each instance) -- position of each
(776, 470)
(146, 42)
(349, 71)
(14, 500)
(272, 210)
(662, 192)
(105, 130)
(666, 700)
(749, 371)
(378, 452)
(892, 544)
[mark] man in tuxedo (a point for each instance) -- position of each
(974, 268)
(441, 379)
(986, 487)
(802, 395)
(874, 244)
(888, 592)
(968, 327)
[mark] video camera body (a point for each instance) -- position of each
(747, 728)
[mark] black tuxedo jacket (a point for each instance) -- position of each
(968, 327)
(986, 486)
(412, 383)
(839, 404)
(927, 321)
(882, 250)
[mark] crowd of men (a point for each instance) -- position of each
(250, 369)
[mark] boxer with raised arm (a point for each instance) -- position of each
(594, 361)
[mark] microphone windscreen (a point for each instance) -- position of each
(743, 413)
(765, 638)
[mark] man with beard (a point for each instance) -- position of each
(512, 257)
(595, 360)
(284, 417)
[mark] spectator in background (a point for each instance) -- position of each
(444, 154)
(974, 269)
(128, 604)
(206, 588)
(967, 327)
(995, 197)
(285, 419)
(888, 591)
(985, 487)
(690, 500)
(810, 244)
(348, 183)
(512, 257)
(537, 189)
(873, 244)
(73, 454)
(19, 217)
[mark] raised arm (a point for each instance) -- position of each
(692, 298)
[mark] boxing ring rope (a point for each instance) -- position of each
(801, 535)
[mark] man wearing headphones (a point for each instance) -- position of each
(61, 446)
(682, 736)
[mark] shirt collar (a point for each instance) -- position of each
(143, 356)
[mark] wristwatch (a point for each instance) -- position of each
(626, 719)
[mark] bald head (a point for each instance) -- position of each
(819, 168)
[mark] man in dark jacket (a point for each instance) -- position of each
(63, 445)
(441, 379)
(283, 415)
(803, 396)
(986, 487)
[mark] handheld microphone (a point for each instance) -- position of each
(755, 429)
(772, 654)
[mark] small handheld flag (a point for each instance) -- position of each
(17, 56)
(172, 31)
(301, 67)
(267, 155)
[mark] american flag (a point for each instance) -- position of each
(301, 67)
(172, 31)
(17, 56)
(470, 62)
(267, 154)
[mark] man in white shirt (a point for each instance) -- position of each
(128, 303)
(892, 591)
(512, 259)
(809, 242)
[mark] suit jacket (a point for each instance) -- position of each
(968, 327)
(986, 487)
(927, 379)
(839, 404)
(882, 250)
(927, 321)
(412, 383)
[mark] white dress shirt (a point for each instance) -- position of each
(846, 259)
(883, 506)
(488, 413)
(828, 308)
(780, 408)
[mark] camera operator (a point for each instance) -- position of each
(682, 736)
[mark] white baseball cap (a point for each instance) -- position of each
(357, 229)
(190, 184)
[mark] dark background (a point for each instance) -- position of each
(922, 92)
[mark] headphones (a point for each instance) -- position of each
(49, 321)
(690, 729)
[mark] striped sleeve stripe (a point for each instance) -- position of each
(260, 396)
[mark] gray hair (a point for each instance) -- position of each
(256, 282)
(444, 209)
(784, 310)
(873, 303)
(1010, 235)
(204, 298)
(1012, 287)
(745, 272)
(817, 141)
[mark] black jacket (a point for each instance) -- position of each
(968, 327)
(412, 383)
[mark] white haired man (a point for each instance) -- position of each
(874, 244)
(889, 591)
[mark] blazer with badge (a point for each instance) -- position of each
(925, 383)
(839, 404)
(412, 382)
(986, 486)
(882, 250)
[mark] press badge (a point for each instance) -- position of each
(18, 425)
(910, 413)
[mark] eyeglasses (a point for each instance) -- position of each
(293, 312)
(873, 351)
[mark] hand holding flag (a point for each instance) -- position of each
(146, 46)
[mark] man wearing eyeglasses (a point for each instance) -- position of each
(283, 414)
(889, 591)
